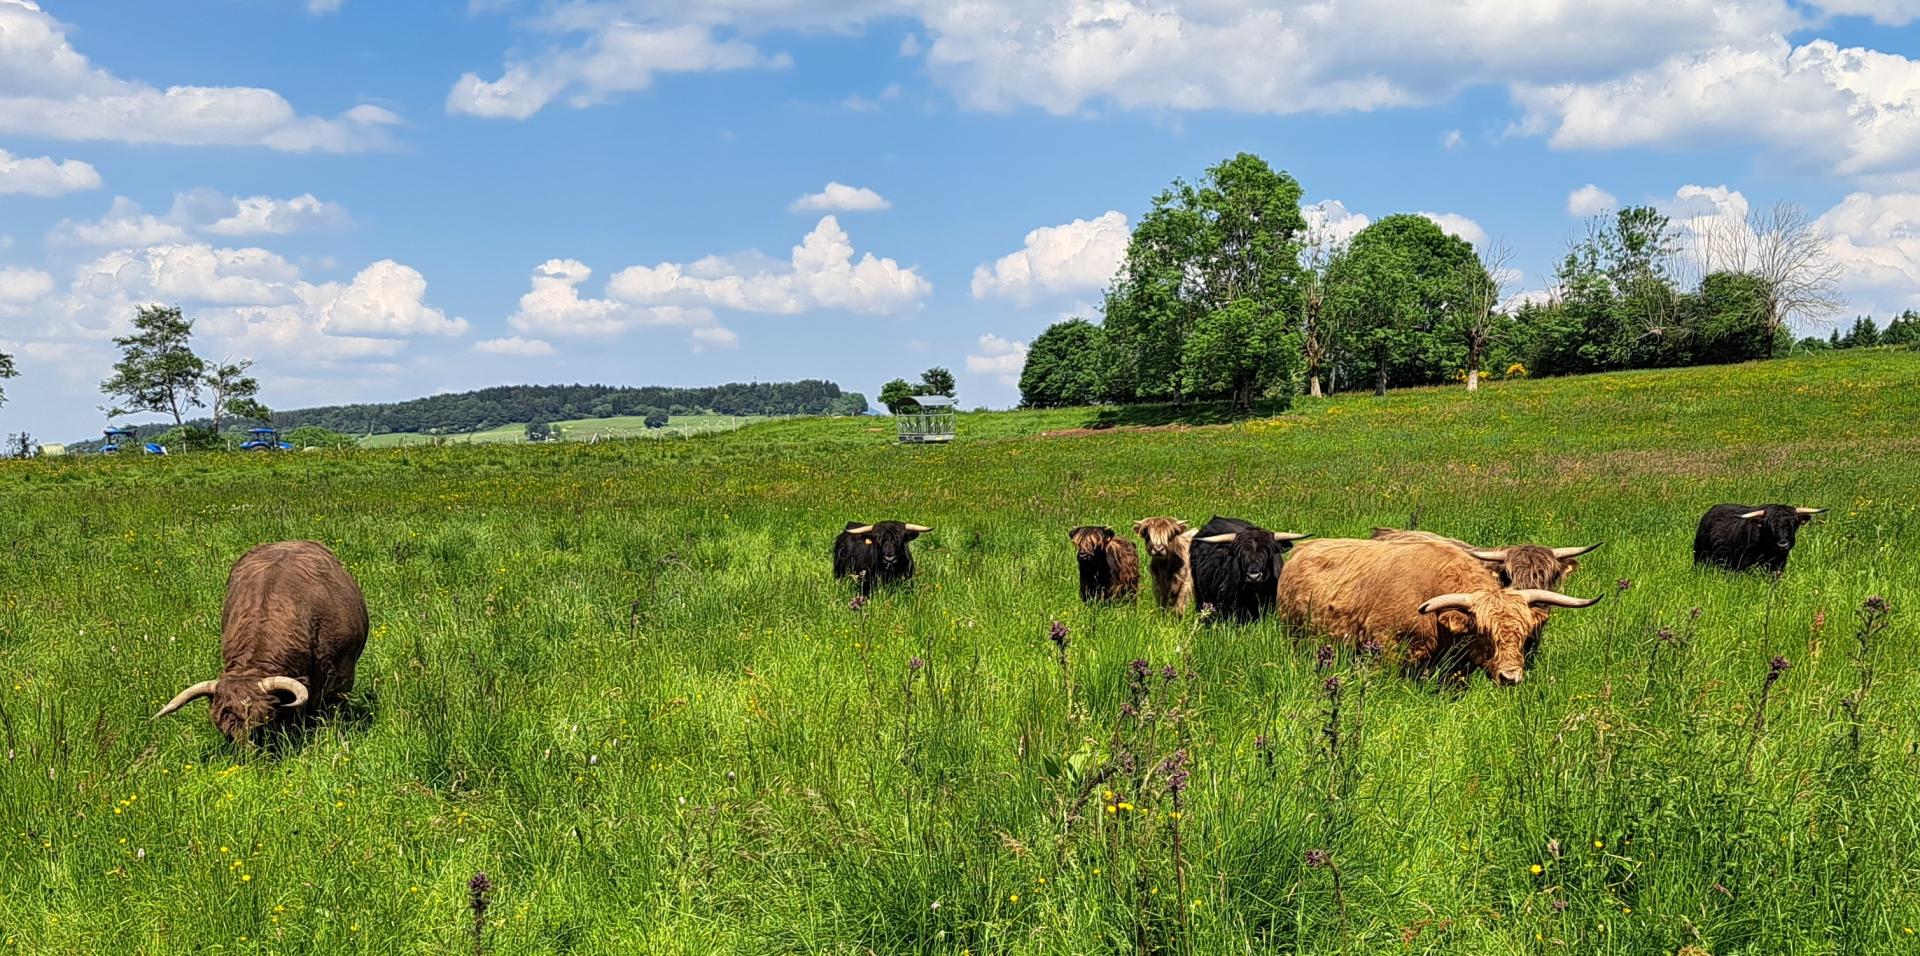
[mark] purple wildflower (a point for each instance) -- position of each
(1371, 647)
(1318, 858)
(859, 601)
(916, 663)
(1323, 658)
(1876, 605)
(1560, 905)
(1057, 633)
(1168, 672)
(1623, 584)
(1140, 668)
(1331, 686)
(1777, 667)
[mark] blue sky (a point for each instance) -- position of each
(376, 201)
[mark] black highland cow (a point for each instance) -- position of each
(1741, 537)
(875, 554)
(1236, 567)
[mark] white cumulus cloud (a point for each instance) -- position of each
(821, 274)
(1844, 110)
(45, 176)
(387, 300)
(514, 345)
(618, 57)
(842, 198)
(200, 212)
(1461, 226)
(49, 89)
(1000, 357)
(1590, 200)
(1073, 257)
(23, 286)
(555, 307)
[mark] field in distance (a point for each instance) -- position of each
(580, 429)
(617, 680)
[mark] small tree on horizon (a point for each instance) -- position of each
(157, 371)
(6, 371)
(897, 395)
(936, 381)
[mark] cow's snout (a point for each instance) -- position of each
(1510, 675)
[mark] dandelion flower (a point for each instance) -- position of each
(1014, 898)
(1599, 844)
(1536, 869)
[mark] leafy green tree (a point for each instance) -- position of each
(935, 381)
(897, 395)
(1402, 281)
(157, 371)
(233, 391)
(1235, 235)
(1242, 351)
(852, 403)
(1064, 366)
(1729, 320)
(539, 431)
(6, 371)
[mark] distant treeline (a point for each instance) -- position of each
(514, 404)
(517, 404)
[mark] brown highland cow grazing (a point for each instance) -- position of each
(1168, 541)
(1519, 566)
(1109, 565)
(291, 631)
(1428, 600)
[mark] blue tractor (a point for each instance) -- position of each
(264, 439)
(115, 438)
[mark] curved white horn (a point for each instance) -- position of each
(918, 528)
(1494, 556)
(202, 689)
(1218, 538)
(1809, 511)
(1447, 601)
(863, 529)
(1285, 536)
(1542, 596)
(1565, 553)
(1755, 513)
(282, 682)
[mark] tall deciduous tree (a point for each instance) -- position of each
(897, 395)
(936, 381)
(1235, 236)
(233, 392)
(1242, 351)
(1785, 248)
(1400, 282)
(1483, 288)
(157, 371)
(1065, 366)
(7, 371)
(1319, 330)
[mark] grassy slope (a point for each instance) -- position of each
(579, 429)
(615, 679)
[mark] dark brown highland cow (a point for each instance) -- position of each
(1109, 566)
(291, 631)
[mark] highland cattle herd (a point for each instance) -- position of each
(294, 621)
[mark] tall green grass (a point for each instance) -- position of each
(615, 679)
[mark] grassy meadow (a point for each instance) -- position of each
(617, 680)
(579, 429)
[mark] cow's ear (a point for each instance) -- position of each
(1454, 621)
(1108, 532)
(1140, 527)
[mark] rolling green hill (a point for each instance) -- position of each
(580, 429)
(617, 679)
